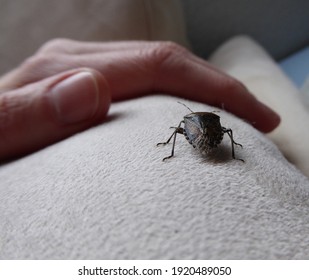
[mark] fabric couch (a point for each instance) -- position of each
(106, 194)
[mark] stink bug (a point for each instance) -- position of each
(203, 131)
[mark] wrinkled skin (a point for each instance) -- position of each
(115, 71)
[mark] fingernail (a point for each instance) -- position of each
(76, 98)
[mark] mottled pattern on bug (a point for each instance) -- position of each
(203, 131)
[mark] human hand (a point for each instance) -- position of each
(67, 86)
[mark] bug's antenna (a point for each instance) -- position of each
(185, 106)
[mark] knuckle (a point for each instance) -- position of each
(164, 57)
(36, 67)
(163, 51)
(232, 85)
(37, 62)
(55, 45)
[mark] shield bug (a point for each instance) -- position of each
(203, 131)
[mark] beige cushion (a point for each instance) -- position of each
(106, 194)
(244, 59)
(25, 26)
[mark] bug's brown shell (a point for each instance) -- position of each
(203, 130)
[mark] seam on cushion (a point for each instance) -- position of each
(148, 14)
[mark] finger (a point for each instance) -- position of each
(178, 72)
(60, 55)
(133, 72)
(163, 67)
(71, 47)
(199, 81)
(39, 114)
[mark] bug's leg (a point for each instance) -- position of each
(169, 139)
(230, 134)
(178, 129)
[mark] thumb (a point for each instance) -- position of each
(47, 111)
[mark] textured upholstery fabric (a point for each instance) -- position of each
(106, 194)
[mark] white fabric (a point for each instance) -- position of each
(244, 59)
(105, 193)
